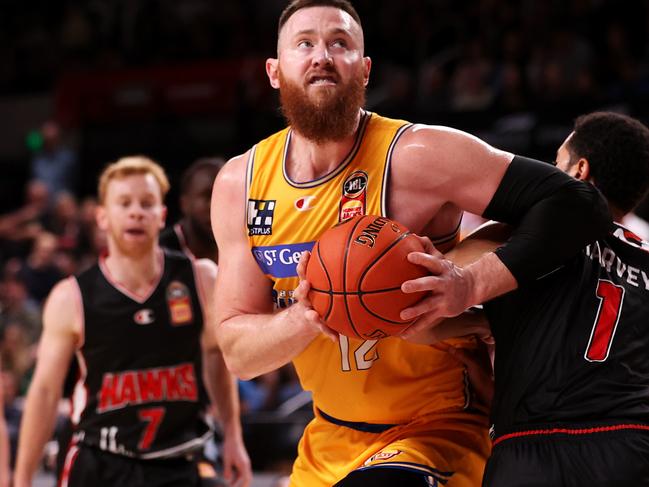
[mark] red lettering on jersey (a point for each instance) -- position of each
(130, 394)
(190, 389)
(177, 383)
(108, 394)
(150, 385)
(172, 387)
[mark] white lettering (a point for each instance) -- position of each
(632, 278)
(608, 256)
(645, 278)
(621, 267)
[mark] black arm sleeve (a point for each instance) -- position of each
(554, 217)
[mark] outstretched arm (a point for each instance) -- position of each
(254, 340)
(553, 216)
(61, 332)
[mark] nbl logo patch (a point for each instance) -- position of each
(179, 303)
(260, 217)
(353, 198)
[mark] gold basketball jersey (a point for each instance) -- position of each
(388, 381)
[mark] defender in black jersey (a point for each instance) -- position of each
(192, 234)
(571, 402)
(136, 324)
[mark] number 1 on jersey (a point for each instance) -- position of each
(362, 359)
(610, 298)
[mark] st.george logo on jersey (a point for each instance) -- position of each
(179, 303)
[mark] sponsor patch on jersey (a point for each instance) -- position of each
(354, 196)
(179, 303)
(260, 217)
(382, 455)
(280, 260)
(305, 203)
(144, 316)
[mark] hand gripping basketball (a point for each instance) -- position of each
(356, 270)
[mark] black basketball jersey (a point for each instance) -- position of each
(573, 347)
(140, 364)
(173, 238)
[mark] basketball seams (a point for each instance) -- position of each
(330, 292)
(350, 235)
(367, 269)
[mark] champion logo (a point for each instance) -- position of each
(305, 203)
(144, 316)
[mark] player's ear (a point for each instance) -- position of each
(164, 217)
(272, 70)
(100, 217)
(583, 169)
(367, 66)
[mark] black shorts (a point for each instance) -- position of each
(86, 466)
(612, 456)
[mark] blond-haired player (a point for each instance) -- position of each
(136, 322)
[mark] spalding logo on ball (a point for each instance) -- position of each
(356, 270)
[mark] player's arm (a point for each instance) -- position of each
(221, 386)
(253, 339)
(553, 216)
(60, 337)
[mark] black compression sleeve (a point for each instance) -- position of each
(554, 217)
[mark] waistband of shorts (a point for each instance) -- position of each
(356, 425)
(567, 430)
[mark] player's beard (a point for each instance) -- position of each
(329, 116)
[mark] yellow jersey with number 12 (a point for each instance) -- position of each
(389, 381)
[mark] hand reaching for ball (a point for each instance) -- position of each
(449, 289)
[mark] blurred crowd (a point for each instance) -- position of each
(434, 56)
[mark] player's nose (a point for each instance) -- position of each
(322, 56)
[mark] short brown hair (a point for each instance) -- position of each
(296, 5)
(128, 166)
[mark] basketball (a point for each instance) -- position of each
(356, 270)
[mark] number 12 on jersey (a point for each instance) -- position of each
(610, 298)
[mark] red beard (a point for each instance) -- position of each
(329, 117)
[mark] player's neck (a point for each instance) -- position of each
(308, 160)
(135, 273)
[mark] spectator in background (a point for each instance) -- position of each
(192, 234)
(39, 271)
(55, 164)
(16, 307)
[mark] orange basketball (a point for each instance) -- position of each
(356, 270)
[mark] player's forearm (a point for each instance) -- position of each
(36, 428)
(256, 344)
(222, 387)
(489, 278)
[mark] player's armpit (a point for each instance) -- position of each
(486, 238)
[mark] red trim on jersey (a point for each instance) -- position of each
(139, 298)
(178, 230)
(70, 457)
(571, 431)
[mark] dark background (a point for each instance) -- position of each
(180, 79)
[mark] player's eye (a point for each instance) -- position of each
(304, 44)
